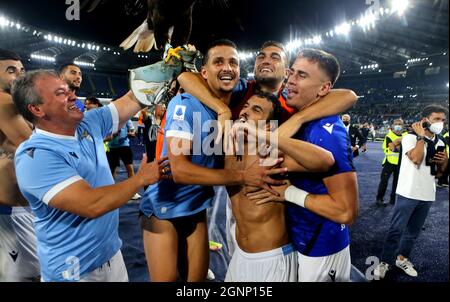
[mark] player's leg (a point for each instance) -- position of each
(161, 248)
(198, 249)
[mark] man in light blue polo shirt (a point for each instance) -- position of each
(63, 172)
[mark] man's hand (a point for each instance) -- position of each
(441, 158)
(398, 141)
(152, 172)
(263, 196)
(418, 128)
(354, 148)
(258, 176)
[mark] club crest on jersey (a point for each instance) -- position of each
(87, 136)
(179, 113)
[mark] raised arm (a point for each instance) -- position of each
(12, 124)
(127, 106)
(194, 84)
(335, 102)
(305, 157)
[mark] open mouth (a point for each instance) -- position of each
(265, 70)
(226, 78)
(73, 107)
(291, 93)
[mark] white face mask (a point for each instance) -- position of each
(437, 128)
(398, 128)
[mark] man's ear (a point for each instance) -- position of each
(35, 110)
(326, 87)
(204, 73)
(286, 74)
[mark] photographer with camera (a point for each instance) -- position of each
(422, 159)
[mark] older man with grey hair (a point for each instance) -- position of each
(63, 172)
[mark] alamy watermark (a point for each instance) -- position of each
(374, 6)
(73, 11)
(373, 262)
(240, 138)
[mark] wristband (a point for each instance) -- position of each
(296, 195)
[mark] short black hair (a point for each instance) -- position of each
(277, 111)
(64, 66)
(8, 55)
(94, 100)
(220, 42)
(327, 62)
(280, 46)
(433, 108)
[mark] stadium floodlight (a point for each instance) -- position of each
(245, 55)
(343, 29)
(447, 85)
(43, 58)
(293, 45)
(3, 21)
(399, 6)
(84, 64)
(317, 39)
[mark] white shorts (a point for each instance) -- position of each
(18, 246)
(278, 265)
(113, 270)
(332, 268)
(230, 228)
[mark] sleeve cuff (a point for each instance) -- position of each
(59, 187)
(179, 134)
(115, 118)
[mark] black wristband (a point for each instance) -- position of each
(420, 138)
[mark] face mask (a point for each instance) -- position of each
(437, 128)
(346, 123)
(398, 128)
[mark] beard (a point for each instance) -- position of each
(271, 82)
(6, 88)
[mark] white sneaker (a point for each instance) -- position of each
(406, 266)
(210, 275)
(380, 270)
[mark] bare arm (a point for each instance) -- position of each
(185, 172)
(340, 205)
(311, 157)
(127, 106)
(335, 102)
(83, 200)
(12, 124)
(416, 154)
(194, 84)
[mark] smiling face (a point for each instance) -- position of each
(306, 83)
(9, 71)
(221, 71)
(58, 110)
(256, 109)
(270, 68)
(72, 76)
